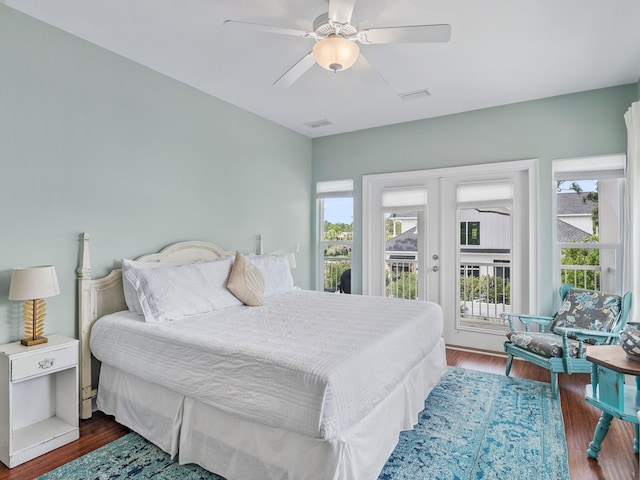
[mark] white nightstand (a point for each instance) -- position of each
(38, 398)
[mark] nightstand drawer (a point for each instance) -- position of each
(43, 363)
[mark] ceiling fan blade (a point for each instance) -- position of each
(409, 34)
(295, 72)
(256, 27)
(370, 74)
(340, 11)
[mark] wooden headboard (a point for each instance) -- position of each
(101, 296)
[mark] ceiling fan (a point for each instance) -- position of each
(337, 39)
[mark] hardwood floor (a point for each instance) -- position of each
(617, 460)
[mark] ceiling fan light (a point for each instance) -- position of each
(335, 53)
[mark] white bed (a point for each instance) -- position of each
(307, 386)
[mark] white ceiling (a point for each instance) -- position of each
(500, 52)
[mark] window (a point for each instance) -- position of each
(502, 272)
(588, 200)
(469, 233)
(335, 239)
(470, 270)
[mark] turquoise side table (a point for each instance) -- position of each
(609, 393)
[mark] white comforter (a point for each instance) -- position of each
(309, 362)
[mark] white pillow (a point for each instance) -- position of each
(276, 271)
(182, 290)
(130, 294)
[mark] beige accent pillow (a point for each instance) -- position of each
(246, 282)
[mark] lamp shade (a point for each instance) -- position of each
(31, 283)
(336, 53)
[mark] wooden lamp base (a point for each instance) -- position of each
(34, 313)
(34, 341)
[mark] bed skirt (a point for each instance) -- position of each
(243, 450)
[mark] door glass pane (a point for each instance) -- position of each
(401, 254)
(485, 267)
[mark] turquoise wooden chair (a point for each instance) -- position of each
(586, 317)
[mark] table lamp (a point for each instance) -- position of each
(33, 284)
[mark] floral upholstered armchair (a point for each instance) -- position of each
(586, 317)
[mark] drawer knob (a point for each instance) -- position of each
(46, 363)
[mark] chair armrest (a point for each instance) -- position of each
(582, 334)
(528, 320)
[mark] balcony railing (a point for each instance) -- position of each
(485, 293)
(333, 269)
(485, 288)
(582, 276)
(402, 278)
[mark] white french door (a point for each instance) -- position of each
(403, 245)
(463, 237)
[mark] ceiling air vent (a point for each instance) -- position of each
(319, 123)
(414, 95)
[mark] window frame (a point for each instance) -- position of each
(330, 189)
(600, 167)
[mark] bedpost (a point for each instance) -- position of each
(259, 247)
(84, 313)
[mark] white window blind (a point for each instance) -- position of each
(484, 193)
(588, 168)
(411, 198)
(335, 188)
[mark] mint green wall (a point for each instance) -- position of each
(589, 123)
(92, 142)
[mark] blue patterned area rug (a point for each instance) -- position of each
(474, 426)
